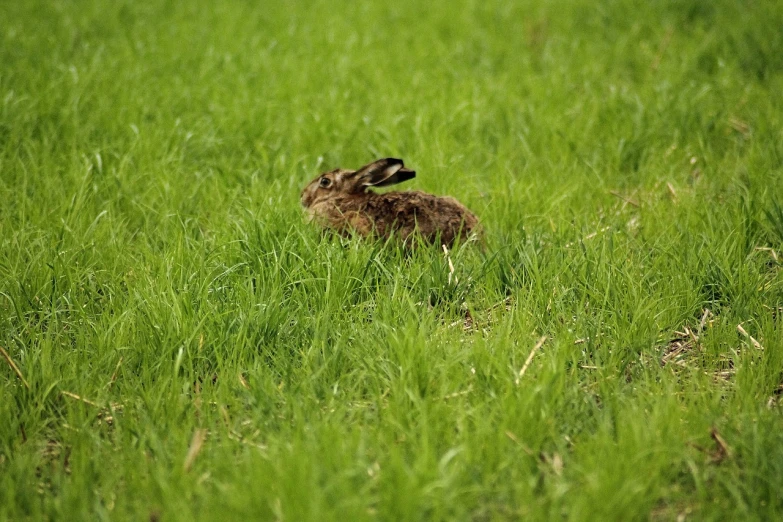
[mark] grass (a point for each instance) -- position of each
(191, 349)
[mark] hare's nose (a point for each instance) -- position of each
(304, 199)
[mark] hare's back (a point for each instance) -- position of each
(432, 215)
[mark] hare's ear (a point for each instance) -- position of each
(384, 172)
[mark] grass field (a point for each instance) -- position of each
(182, 345)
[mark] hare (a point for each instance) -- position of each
(340, 200)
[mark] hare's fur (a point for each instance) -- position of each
(342, 201)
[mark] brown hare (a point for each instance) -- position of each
(341, 200)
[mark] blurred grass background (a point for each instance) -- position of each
(626, 163)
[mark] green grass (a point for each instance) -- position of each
(625, 159)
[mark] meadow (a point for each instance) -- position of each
(179, 344)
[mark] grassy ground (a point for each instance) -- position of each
(191, 349)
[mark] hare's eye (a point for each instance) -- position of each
(325, 182)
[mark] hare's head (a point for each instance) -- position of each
(342, 182)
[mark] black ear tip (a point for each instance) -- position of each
(405, 174)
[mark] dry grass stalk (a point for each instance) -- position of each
(722, 375)
(451, 265)
(771, 251)
(704, 318)
(104, 414)
(678, 348)
(80, 398)
(519, 443)
(722, 450)
(14, 367)
(196, 444)
(533, 352)
(555, 461)
(740, 126)
(238, 437)
(458, 394)
(672, 191)
(627, 200)
(684, 342)
(588, 236)
(776, 396)
(689, 340)
(749, 337)
(471, 324)
(114, 375)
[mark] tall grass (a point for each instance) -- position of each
(188, 348)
